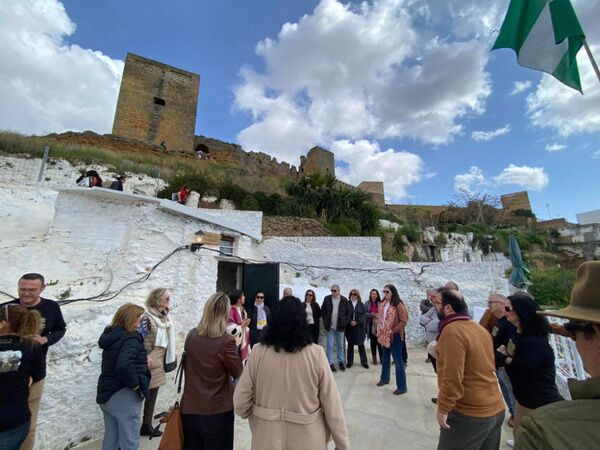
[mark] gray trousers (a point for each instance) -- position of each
(122, 421)
(471, 433)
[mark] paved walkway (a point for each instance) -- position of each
(376, 418)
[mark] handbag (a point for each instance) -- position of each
(172, 438)
(169, 367)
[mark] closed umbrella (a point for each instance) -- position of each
(520, 273)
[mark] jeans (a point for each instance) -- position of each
(395, 350)
(213, 432)
(35, 398)
(12, 439)
(471, 433)
(507, 390)
(122, 420)
(338, 336)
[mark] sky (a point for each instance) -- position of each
(402, 91)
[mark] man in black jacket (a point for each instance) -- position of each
(336, 313)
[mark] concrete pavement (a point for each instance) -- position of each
(376, 418)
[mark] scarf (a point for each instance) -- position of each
(165, 335)
(261, 316)
(450, 319)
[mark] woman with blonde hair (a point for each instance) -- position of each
(159, 342)
(22, 362)
(124, 378)
(211, 363)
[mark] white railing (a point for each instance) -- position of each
(567, 360)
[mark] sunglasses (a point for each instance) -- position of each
(574, 327)
(353, 294)
(387, 292)
(334, 290)
(260, 296)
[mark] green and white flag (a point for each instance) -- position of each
(546, 36)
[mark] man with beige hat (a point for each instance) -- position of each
(573, 424)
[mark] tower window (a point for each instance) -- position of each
(159, 101)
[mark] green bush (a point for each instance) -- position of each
(345, 227)
(552, 286)
(411, 232)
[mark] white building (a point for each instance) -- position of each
(589, 217)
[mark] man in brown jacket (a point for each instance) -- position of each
(470, 406)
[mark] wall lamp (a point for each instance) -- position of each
(202, 238)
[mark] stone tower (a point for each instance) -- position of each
(375, 189)
(157, 104)
(317, 160)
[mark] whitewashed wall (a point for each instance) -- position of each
(476, 280)
(89, 242)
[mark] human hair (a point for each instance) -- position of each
(526, 308)
(378, 299)
(33, 276)
(288, 329)
(451, 285)
(235, 295)
(454, 299)
(20, 320)
(357, 292)
(396, 300)
(213, 322)
(154, 297)
(314, 296)
(127, 316)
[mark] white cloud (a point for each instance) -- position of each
(596, 154)
(354, 72)
(364, 161)
(489, 135)
(520, 86)
(472, 181)
(47, 85)
(553, 148)
(532, 178)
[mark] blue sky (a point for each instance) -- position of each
(403, 91)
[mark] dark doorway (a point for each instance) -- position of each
(261, 277)
(228, 276)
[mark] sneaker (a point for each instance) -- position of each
(511, 422)
(342, 367)
(332, 367)
(510, 443)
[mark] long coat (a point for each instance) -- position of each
(356, 335)
(291, 400)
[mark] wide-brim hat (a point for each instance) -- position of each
(585, 296)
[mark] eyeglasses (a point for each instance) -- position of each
(508, 309)
(260, 296)
(353, 294)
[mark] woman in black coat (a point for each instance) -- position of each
(124, 379)
(356, 331)
(313, 314)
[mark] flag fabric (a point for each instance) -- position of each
(546, 36)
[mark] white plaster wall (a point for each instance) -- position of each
(250, 221)
(90, 244)
(476, 280)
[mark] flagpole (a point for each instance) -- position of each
(589, 53)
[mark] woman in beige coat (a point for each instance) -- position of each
(287, 390)
(160, 345)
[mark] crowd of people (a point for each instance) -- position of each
(263, 363)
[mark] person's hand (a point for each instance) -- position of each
(245, 322)
(149, 362)
(42, 340)
(502, 349)
(559, 329)
(353, 323)
(442, 420)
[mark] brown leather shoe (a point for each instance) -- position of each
(399, 392)
(381, 383)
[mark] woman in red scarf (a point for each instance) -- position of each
(238, 316)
